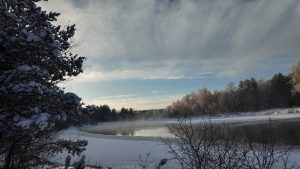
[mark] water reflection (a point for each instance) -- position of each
(285, 131)
(159, 131)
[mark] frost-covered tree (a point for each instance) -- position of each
(34, 58)
(296, 76)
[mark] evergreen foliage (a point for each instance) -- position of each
(34, 58)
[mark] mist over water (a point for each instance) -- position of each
(120, 143)
(160, 128)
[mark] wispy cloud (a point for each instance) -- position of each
(179, 41)
(91, 75)
(118, 96)
(151, 39)
(187, 76)
(154, 92)
(138, 103)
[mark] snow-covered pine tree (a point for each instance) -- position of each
(34, 58)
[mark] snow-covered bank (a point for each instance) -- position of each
(255, 117)
(123, 151)
(116, 152)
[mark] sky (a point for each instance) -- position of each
(145, 54)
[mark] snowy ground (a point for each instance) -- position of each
(123, 151)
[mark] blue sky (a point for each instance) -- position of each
(147, 53)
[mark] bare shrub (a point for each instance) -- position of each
(144, 162)
(218, 146)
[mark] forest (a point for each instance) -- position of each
(281, 91)
(251, 95)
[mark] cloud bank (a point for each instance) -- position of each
(173, 39)
(138, 102)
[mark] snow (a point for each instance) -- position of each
(56, 52)
(43, 34)
(115, 152)
(11, 15)
(35, 110)
(256, 117)
(61, 117)
(24, 31)
(41, 120)
(20, 71)
(2, 117)
(72, 99)
(56, 44)
(29, 87)
(123, 151)
(24, 68)
(31, 37)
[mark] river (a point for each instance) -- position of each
(119, 144)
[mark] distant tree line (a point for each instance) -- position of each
(103, 113)
(280, 91)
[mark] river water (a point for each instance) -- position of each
(119, 144)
